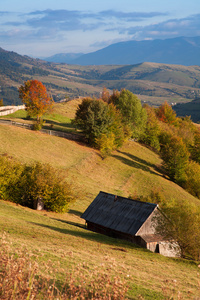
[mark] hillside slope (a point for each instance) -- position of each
(60, 243)
(131, 170)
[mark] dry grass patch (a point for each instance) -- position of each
(21, 278)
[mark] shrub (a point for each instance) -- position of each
(106, 144)
(24, 184)
(10, 171)
(39, 181)
(38, 125)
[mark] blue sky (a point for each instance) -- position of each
(41, 28)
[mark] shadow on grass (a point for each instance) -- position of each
(89, 235)
(137, 159)
(138, 163)
(71, 223)
(67, 125)
(75, 212)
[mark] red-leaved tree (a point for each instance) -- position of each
(36, 98)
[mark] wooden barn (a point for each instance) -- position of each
(127, 219)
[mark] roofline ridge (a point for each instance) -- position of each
(155, 204)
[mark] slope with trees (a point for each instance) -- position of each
(164, 133)
(175, 139)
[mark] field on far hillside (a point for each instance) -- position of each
(152, 82)
(62, 241)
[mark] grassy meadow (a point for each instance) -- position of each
(60, 243)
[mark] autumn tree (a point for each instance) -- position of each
(36, 99)
(166, 114)
(98, 120)
(133, 114)
(181, 225)
(176, 157)
(152, 129)
(195, 149)
(192, 182)
(105, 95)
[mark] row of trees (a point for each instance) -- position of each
(176, 140)
(109, 121)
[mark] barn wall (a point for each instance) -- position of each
(154, 246)
(114, 233)
(149, 225)
(170, 250)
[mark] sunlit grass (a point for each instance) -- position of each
(63, 240)
(61, 244)
(60, 117)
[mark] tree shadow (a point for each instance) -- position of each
(135, 158)
(52, 123)
(75, 212)
(89, 235)
(138, 163)
(71, 223)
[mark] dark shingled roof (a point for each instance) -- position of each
(118, 213)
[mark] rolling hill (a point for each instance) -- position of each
(60, 243)
(189, 109)
(152, 82)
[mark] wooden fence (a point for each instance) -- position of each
(67, 135)
(6, 110)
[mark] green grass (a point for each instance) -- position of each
(56, 120)
(62, 239)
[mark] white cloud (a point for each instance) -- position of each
(88, 31)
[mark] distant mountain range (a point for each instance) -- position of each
(66, 58)
(153, 83)
(180, 50)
